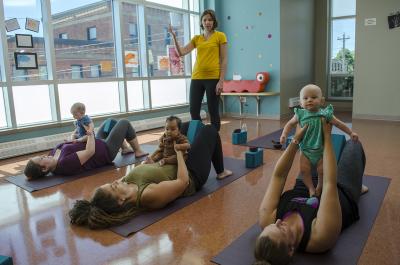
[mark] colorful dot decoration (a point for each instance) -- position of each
(269, 36)
(228, 17)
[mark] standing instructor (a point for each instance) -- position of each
(210, 67)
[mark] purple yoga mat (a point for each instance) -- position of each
(347, 249)
(147, 218)
(266, 140)
(54, 180)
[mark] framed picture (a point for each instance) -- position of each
(25, 60)
(11, 24)
(24, 40)
(32, 24)
(394, 21)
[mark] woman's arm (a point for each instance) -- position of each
(272, 196)
(158, 195)
(90, 149)
(223, 61)
(328, 223)
(182, 51)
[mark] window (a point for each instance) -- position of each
(99, 97)
(95, 70)
(91, 33)
(342, 46)
(163, 60)
(32, 104)
(30, 9)
(81, 20)
(173, 3)
(63, 36)
(130, 39)
(149, 37)
(167, 36)
(76, 71)
(135, 95)
(168, 92)
(3, 119)
(133, 33)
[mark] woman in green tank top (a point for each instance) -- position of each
(152, 186)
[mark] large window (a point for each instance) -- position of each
(96, 47)
(342, 46)
(85, 45)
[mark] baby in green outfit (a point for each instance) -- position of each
(311, 146)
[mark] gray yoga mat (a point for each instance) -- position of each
(147, 218)
(266, 140)
(54, 180)
(347, 249)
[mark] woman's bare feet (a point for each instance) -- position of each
(364, 189)
(224, 174)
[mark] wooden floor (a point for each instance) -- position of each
(35, 228)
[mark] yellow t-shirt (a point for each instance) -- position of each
(207, 64)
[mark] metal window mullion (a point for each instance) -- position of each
(144, 56)
(48, 37)
(120, 52)
(6, 74)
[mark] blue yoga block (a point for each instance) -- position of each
(338, 143)
(194, 126)
(239, 137)
(5, 260)
(254, 157)
(289, 140)
(109, 124)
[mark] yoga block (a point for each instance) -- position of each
(288, 140)
(194, 126)
(5, 260)
(254, 157)
(338, 142)
(109, 124)
(239, 137)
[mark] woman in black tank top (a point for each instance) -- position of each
(291, 221)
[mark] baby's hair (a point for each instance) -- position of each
(78, 106)
(310, 86)
(175, 118)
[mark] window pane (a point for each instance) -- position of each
(99, 98)
(28, 11)
(343, 8)
(3, 120)
(85, 44)
(135, 95)
(163, 60)
(194, 30)
(194, 5)
(32, 104)
(342, 57)
(173, 3)
(168, 92)
(131, 39)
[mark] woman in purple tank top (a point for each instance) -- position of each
(291, 221)
(73, 158)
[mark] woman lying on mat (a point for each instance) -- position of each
(152, 186)
(73, 158)
(292, 221)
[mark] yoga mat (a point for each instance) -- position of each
(347, 249)
(266, 140)
(54, 180)
(237, 166)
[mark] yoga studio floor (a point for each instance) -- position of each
(35, 228)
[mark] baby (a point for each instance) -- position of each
(81, 120)
(165, 153)
(311, 146)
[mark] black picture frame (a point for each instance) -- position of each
(25, 60)
(24, 40)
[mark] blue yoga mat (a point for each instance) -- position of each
(347, 249)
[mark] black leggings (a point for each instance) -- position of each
(205, 149)
(197, 88)
(122, 130)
